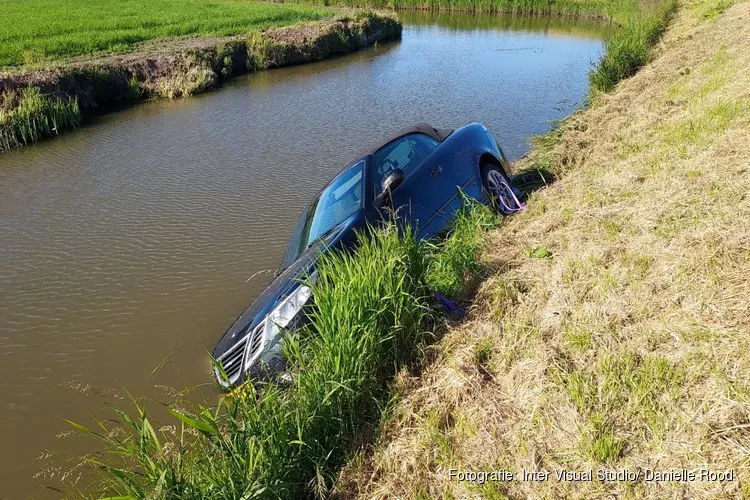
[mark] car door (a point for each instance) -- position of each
(444, 176)
(421, 198)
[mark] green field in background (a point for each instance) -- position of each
(35, 31)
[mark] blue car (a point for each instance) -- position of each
(418, 173)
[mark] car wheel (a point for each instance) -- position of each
(499, 191)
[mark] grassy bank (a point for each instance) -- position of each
(42, 103)
(628, 49)
(40, 32)
(371, 317)
(613, 330)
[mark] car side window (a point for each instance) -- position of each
(397, 154)
(423, 143)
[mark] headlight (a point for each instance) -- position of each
(286, 311)
(278, 319)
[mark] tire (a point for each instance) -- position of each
(498, 190)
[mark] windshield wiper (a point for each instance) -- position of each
(324, 235)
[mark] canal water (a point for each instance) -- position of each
(128, 247)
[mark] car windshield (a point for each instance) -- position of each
(336, 203)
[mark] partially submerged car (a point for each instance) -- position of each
(419, 173)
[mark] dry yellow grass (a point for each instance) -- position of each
(629, 346)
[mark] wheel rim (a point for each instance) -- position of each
(501, 192)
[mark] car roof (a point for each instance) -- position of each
(417, 128)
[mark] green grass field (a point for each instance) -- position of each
(35, 31)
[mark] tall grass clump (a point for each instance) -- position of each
(288, 439)
(455, 258)
(35, 116)
(628, 49)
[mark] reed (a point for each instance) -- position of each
(290, 440)
(35, 116)
(454, 259)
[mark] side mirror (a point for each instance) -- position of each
(390, 182)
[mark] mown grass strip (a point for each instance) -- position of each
(288, 440)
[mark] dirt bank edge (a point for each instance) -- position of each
(42, 103)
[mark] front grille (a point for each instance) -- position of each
(256, 342)
(231, 361)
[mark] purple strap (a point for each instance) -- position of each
(448, 304)
(519, 206)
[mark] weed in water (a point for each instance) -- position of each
(133, 91)
(36, 116)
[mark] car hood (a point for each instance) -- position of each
(279, 288)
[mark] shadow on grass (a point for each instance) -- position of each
(532, 179)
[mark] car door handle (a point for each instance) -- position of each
(437, 171)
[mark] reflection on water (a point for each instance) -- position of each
(133, 240)
(580, 28)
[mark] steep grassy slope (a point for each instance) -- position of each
(613, 330)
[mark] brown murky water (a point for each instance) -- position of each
(133, 240)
